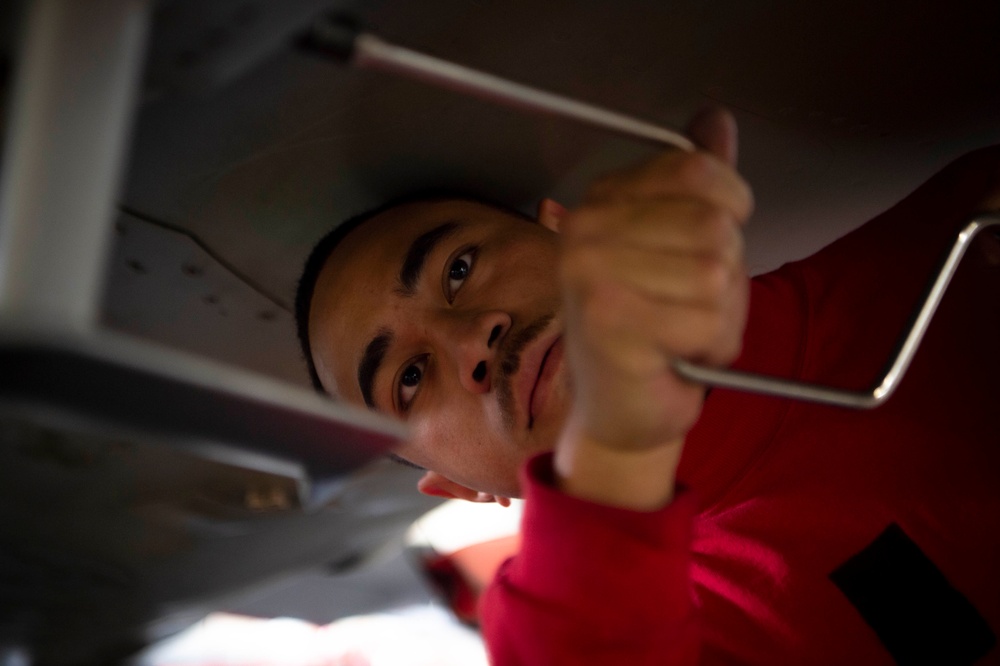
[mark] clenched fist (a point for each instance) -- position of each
(652, 268)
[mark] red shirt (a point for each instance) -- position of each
(811, 534)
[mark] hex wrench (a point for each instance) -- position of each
(344, 41)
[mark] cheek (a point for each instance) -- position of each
(422, 446)
(443, 438)
(528, 282)
(535, 260)
(465, 445)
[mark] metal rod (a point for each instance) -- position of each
(880, 392)
(371, 52)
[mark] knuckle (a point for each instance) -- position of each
(694, 170)
(716, 327)
(571, 270)
(592, 262)
(714, 227)
(587, 220)
(732, 349)
(745, 200)
(578, 223)
(713, 277)
(727, 345)
(583, 266)
(603, 310)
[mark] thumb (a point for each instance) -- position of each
(714, 129)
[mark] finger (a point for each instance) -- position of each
(714, 129)
(681, 225)
(638, 335)
(676, 174)
(699, 279)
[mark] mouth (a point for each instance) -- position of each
(540, 370)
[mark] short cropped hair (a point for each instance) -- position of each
(328, 243)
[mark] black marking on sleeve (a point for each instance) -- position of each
(916, 613)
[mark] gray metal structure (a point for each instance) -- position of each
(140, 486)
(167, 166)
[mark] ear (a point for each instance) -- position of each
(551, 214)
(435, 485)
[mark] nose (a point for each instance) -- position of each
(476, 344)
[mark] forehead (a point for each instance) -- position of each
(355, 291)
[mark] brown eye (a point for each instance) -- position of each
(409, 383)
(458, 271)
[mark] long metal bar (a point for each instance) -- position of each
(370, 52)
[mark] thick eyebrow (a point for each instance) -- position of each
(416, 257)
(371, 361)
(409, 275)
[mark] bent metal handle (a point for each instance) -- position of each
(863, 399)
(334, 37)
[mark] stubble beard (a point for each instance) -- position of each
(510, 361)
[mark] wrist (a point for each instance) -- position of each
(641, 479)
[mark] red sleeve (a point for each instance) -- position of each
(593, 584)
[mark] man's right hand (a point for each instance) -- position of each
(652, 269)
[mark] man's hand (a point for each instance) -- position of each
(652, 269)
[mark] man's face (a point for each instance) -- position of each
(447, 315)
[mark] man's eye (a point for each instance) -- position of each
(458, 271)
(409, 383)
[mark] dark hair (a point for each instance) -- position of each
(328, 243)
